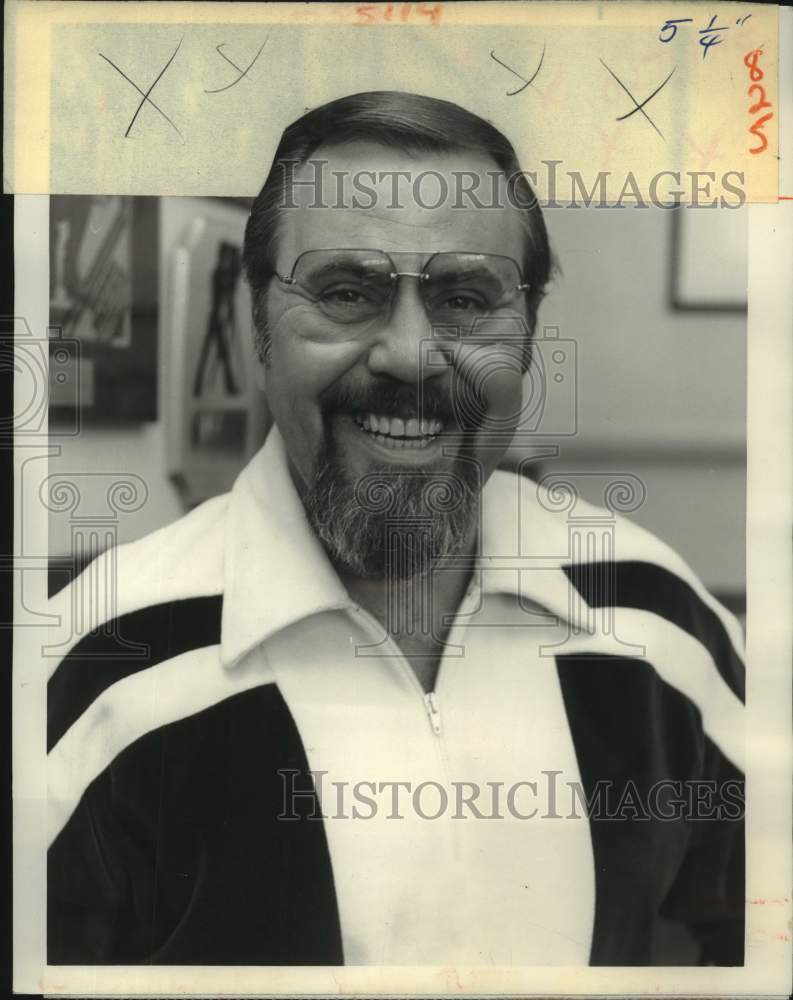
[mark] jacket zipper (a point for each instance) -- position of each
(429, 698)
(434, 711)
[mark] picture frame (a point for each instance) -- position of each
(216, 416)
(103, 309)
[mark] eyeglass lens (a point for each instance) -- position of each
(353, 286)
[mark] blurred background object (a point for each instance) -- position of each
(640, 366)
(215, 411)
(103, 295)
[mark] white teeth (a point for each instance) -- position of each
(400, 443)
(399, 433)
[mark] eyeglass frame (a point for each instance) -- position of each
(289, 279)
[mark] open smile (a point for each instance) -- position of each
(395, 433)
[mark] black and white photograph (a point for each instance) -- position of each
(398, 512)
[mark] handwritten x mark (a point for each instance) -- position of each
(639, 107)
(526, 83)
(242, 72)
(146, 97)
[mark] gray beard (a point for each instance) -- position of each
(391, 523)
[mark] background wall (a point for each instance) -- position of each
(660, 394)
(127, 448)
(112, 450)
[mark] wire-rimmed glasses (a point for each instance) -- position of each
(458, 288)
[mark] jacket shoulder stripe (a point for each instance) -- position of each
(645, 586)
(634, 543)
(679, 660)
(125, 646)
(181, 560)
(132, 707)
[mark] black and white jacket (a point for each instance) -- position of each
(213, 671)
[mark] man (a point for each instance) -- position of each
(376, 615)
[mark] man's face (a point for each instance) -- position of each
(390, 400)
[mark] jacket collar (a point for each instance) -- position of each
(276, 572)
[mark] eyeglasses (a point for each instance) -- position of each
(458, 289)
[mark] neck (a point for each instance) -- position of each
(418, 606)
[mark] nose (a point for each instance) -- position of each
(404, 343)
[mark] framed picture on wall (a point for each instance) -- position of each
(709, 259)
(217, 417)
(103, 309)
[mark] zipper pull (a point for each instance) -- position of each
(434, 712)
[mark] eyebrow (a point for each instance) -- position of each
(467, 270)
(349, 261)
(341, 263)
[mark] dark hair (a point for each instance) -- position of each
(408, 122)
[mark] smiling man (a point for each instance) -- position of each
(382, 714)
(370, 319)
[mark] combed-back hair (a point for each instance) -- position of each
(412, 123)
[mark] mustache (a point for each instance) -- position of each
(428, 400)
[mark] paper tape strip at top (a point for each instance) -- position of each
(77, 72)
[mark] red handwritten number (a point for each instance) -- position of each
(755, 75)
(374, 13)
(756, 130)
(366, 14)
(750, 60)
(433, 13)
(762, 103)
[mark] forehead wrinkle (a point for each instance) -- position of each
(424, 231)
(392, 231)
(382, 235)
(412, 226)
(423, 218)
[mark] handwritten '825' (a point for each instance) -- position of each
(755, 75)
